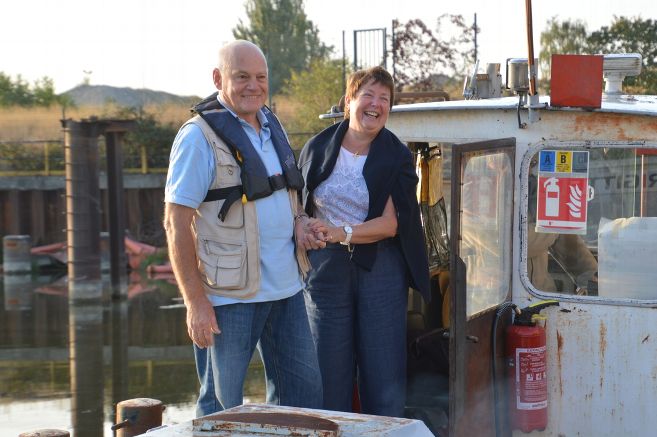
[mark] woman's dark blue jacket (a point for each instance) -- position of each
(389, 171)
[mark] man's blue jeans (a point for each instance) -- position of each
(280, 331)
(358, 320)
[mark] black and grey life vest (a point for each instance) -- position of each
(256, 183)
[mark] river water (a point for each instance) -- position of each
(66, 366)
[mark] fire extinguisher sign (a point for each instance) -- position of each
(563, 187)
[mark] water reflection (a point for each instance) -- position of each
(66, 366)
(86, 368)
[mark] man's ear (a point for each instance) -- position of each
(216, 78)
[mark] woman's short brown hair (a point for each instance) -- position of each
(361, 77)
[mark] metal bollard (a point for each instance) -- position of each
(18, 291)
(16, 250)
(46, 433)
(136, 416)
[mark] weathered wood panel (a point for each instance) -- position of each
(42, 214)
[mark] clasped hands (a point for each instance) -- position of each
(313, 233)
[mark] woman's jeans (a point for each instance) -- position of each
(280, 331)
(358, 321)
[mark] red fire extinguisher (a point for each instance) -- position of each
(527, 369)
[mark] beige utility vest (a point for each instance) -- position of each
(228, 252)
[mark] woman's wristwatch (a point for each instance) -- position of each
(347, 230)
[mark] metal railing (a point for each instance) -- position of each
(46, 158)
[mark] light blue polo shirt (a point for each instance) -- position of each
(191, 173)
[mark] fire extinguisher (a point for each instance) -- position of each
(527, 369)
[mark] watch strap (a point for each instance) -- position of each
(348, 231)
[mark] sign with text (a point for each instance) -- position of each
(563, 192)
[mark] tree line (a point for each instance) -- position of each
(18, 92)
(305, 72)
(623, 35)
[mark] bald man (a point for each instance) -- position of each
(232, 218)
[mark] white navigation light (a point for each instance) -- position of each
(615, 67)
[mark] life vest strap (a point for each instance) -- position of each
(277, 182)
(229, 194)
(234, 193)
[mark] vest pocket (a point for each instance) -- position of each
(224, 263)
(228, 171)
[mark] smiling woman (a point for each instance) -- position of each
(359, 178)
(371, 106)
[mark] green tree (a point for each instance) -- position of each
(567, 36)
(149, 133)
(420, 54)
(155, 136)
(14, 91)
(17, 92)
(624, 35)
(312, 92)
(44, 92)
(631, 35)
(288, 39)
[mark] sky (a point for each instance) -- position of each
(171, 45)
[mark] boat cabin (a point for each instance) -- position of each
(526, 200)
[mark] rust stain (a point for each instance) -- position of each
(624, 127)
(559, 348)
(255, 421)
(645, 339)
(603, 349)
(603, 340)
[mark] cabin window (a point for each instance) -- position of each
(486, 217)
(592, 221)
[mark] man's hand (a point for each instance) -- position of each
(308, 233)
(201, 322)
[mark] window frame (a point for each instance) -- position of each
(530, 153)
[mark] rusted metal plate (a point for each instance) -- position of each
(46, 433)
(269, 423)
(602, 383)
(348, 424)
(462, 126)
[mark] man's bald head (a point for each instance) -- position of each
(229, 52)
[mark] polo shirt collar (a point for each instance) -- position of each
(262, 119)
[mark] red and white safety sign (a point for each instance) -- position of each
(562, 192)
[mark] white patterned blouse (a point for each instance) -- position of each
(342, 199)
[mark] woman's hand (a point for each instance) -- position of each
(371, 231)
(335, 234)
(310, 233)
